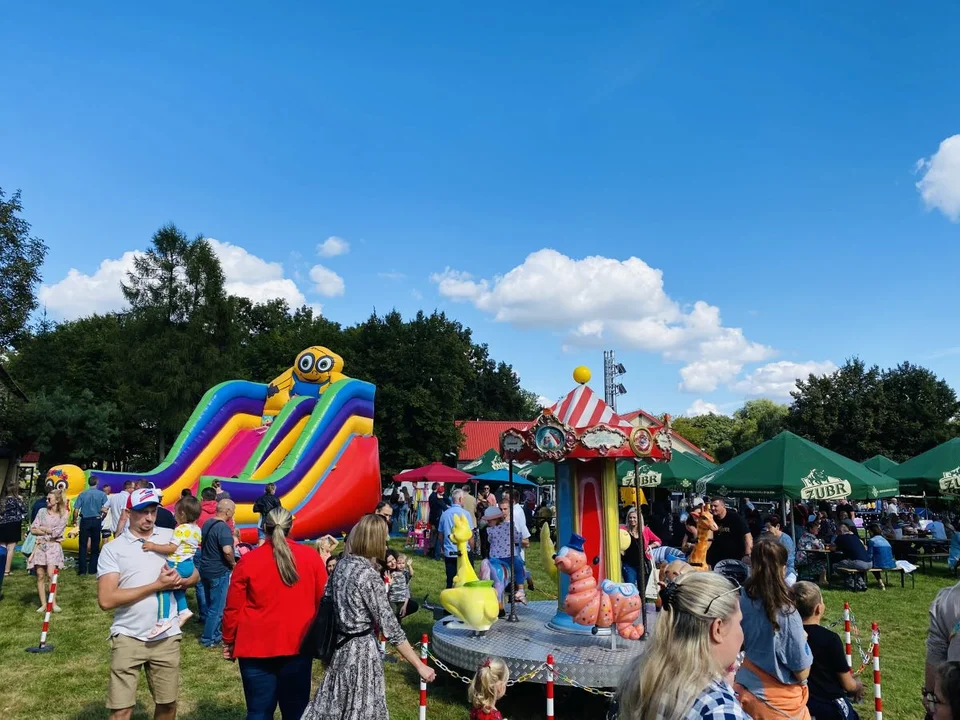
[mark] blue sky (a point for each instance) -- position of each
(758, 161)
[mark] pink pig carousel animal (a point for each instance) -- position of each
(610, 603)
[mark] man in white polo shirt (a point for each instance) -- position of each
(128, 580)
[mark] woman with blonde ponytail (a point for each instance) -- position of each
(274, 594)
(686, 672)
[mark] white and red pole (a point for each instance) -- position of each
(846, 634)
(877, 701)
(549, 687)
(51, 601)
(424, 646)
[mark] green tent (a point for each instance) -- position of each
(679, 473)
(935, 472)
(880, 463)
(488, 462)
(544, 473)
(789, 465)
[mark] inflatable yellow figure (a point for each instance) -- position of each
(472, 600)
(314, 370)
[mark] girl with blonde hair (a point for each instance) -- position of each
(686, 672)
(275, 590)
(48, 528)
(488, 686)
(353, 687)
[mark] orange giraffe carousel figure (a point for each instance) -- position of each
(706, 526)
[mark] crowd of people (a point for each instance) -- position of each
(742, 641)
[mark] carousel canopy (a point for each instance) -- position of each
(799, 469)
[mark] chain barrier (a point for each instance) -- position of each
(865, 656)
(525, 677)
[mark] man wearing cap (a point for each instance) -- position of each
(128, 580)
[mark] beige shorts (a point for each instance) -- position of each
(160, 662)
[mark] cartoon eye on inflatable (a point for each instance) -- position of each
(305, 363)
(324, 364)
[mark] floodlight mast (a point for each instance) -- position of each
(611, 371)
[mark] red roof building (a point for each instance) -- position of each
(641, 418)
(482, 435)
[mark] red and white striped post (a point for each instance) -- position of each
(846, 634)
(549, 687)
(877, 701)
(51, 601)
(424, 646)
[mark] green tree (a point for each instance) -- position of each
(180, 336)
(859, 411)
(21, 256)
(921, 411)
(756, 422)
(711, 432)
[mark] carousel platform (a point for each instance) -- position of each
(585, 658)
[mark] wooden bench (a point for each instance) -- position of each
(852, 572)
(921, 559)
(886, 579)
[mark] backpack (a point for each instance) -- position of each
(324, 637)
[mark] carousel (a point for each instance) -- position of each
(598, 623)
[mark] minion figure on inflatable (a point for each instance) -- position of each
(314, 370)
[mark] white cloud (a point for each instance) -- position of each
(416, 294)
(702, 407)
(253, 277)
(391, 275)
(778, 379)
(333, 246)
(246, 275)
(599, 301)
(705, 375)
(79, 294)
(940, 184)
(326, 282)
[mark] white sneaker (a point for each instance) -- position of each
(183, 617)
(57, 608)
(41, 609)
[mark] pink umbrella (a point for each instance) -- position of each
(434, 472)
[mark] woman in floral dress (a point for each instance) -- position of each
(811, 565)
(48, 527)
(353, 687)
(12, 513)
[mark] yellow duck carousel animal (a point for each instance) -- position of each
(471, 600)
(314, 370)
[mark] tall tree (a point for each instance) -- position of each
(181, 337)
(711, 432)
(921, 411)
(21, 256)
(756, 422)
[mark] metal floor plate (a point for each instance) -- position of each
(524, 645)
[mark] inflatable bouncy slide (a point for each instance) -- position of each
(309, 431)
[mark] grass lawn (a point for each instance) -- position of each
(70, 682)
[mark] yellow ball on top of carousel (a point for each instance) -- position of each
(581, 375)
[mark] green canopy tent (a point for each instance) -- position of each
(544, 473)
(935, 472)
(789, 466)
(679, 473)
(880, 463)
(488, 462)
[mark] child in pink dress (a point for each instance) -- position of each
(488, 686)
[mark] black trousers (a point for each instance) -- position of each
(89, 530)
(451, 566)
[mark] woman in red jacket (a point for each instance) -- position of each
(273, 597)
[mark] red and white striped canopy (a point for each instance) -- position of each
(583, 408)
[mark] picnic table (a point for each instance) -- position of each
(921, 551)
